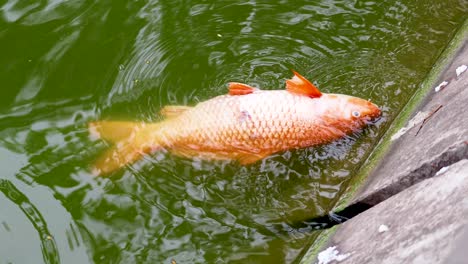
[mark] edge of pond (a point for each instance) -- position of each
(416, 100)
(382, 147)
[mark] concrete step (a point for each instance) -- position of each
(422, 224)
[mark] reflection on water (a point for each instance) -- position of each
(49, 248)
(70, 62)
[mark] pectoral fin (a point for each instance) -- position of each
(236, 88)
(249, 158)
(170, 111)
(300, 85)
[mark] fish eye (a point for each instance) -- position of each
(356, 114)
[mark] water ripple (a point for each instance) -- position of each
(108, 60)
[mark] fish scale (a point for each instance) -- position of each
(226, 131)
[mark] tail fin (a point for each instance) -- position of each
(131, 141)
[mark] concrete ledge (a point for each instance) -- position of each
(418, 225)
(436, 136)
(459, 255)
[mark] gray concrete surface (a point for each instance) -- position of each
(421, 224)
(438, 137)
(459, 254)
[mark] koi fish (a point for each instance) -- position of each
(246, 125)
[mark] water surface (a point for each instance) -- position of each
(65, 63)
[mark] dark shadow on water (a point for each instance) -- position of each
(331, 219)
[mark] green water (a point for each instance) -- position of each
(65, 63)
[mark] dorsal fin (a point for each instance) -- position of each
(236, 88)
(300, 85)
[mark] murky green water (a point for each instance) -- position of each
(64, 63)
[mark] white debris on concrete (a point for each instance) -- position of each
(383, 228)
(331, 254)
(440, 86)
(442, 170)
(418, 118)
(461, 69)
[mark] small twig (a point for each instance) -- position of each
(428, 116)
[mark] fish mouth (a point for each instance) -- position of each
(375, 111)
(371, 120)
(373, 114)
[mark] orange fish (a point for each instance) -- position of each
(245, 125)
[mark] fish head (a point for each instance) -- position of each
(349, 113)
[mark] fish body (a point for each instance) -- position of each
(245, 125)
